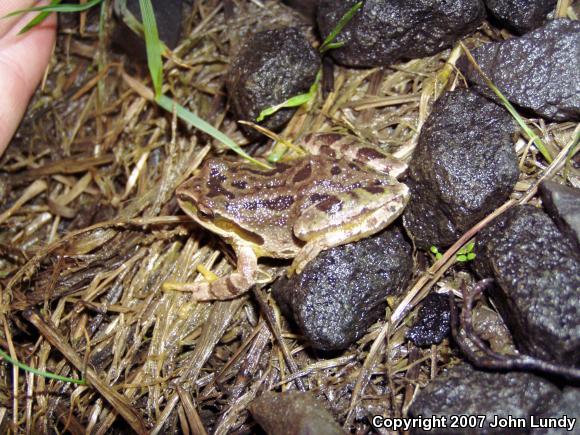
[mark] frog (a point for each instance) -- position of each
(339, 191)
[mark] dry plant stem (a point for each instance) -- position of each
(33, 190)
(117, 401)
(412, 375)
(252, 361)
(491, 359)
(193, 418)
(213, 329)
(115, 223)
(364, 375)
(266, 310)
(562, 8)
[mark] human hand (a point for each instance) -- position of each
(23, 59)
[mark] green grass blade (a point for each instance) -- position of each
(328, 42)
(194, 120)
(509, 107)
(38, 19)
(56, 8)
(39, 372)
(295, 101)
(153, 45)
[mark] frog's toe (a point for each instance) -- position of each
(305, 256)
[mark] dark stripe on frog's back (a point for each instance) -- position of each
(366, 154)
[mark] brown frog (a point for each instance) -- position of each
(341, 192)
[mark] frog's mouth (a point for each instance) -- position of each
(219, 225)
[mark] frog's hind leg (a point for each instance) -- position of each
(345, 218)
(229, 286)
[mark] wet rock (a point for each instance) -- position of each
(168, 16)
(563, 205)
(463, 168)
(520, 15)
(307, 8)
(270, 67)
(292, 413)
(343, 291)
(539, 71)
(567, 405)
(537, 272)
(433, 323)
(465, 391)
(384, 32)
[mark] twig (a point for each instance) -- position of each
(491, 359)
(267, 311)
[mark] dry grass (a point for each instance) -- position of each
(90, 231)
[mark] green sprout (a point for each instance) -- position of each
(328, 44)
(436, 252)
(39, 372)
(464, 255)
(295, 101)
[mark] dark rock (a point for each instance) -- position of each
(307, 8)
(463, 168)
(270, 67)
(537, 271)
(539, 71)
(384, 32)
(520, 15)
(567, 405)
(343, 291)
(168, 16)
(433, 323)
(563, 205)
(293, 413)
(465, 391)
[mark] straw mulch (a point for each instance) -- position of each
(90, 231)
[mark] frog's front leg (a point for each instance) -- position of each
(229, 286)
(347, 217)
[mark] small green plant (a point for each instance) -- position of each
(295, 101)
(436, 252)
(327, 44)
(39, 372)
(464, 255)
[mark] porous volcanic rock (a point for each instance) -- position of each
(463, 168)
(270, 67)
(520, 15)
(433, 321)
(465, 391)
(539, 71)
(384, 32)
(567, 405)
(537, 275)
(563, 205)
(343, 291)
(293, 413)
